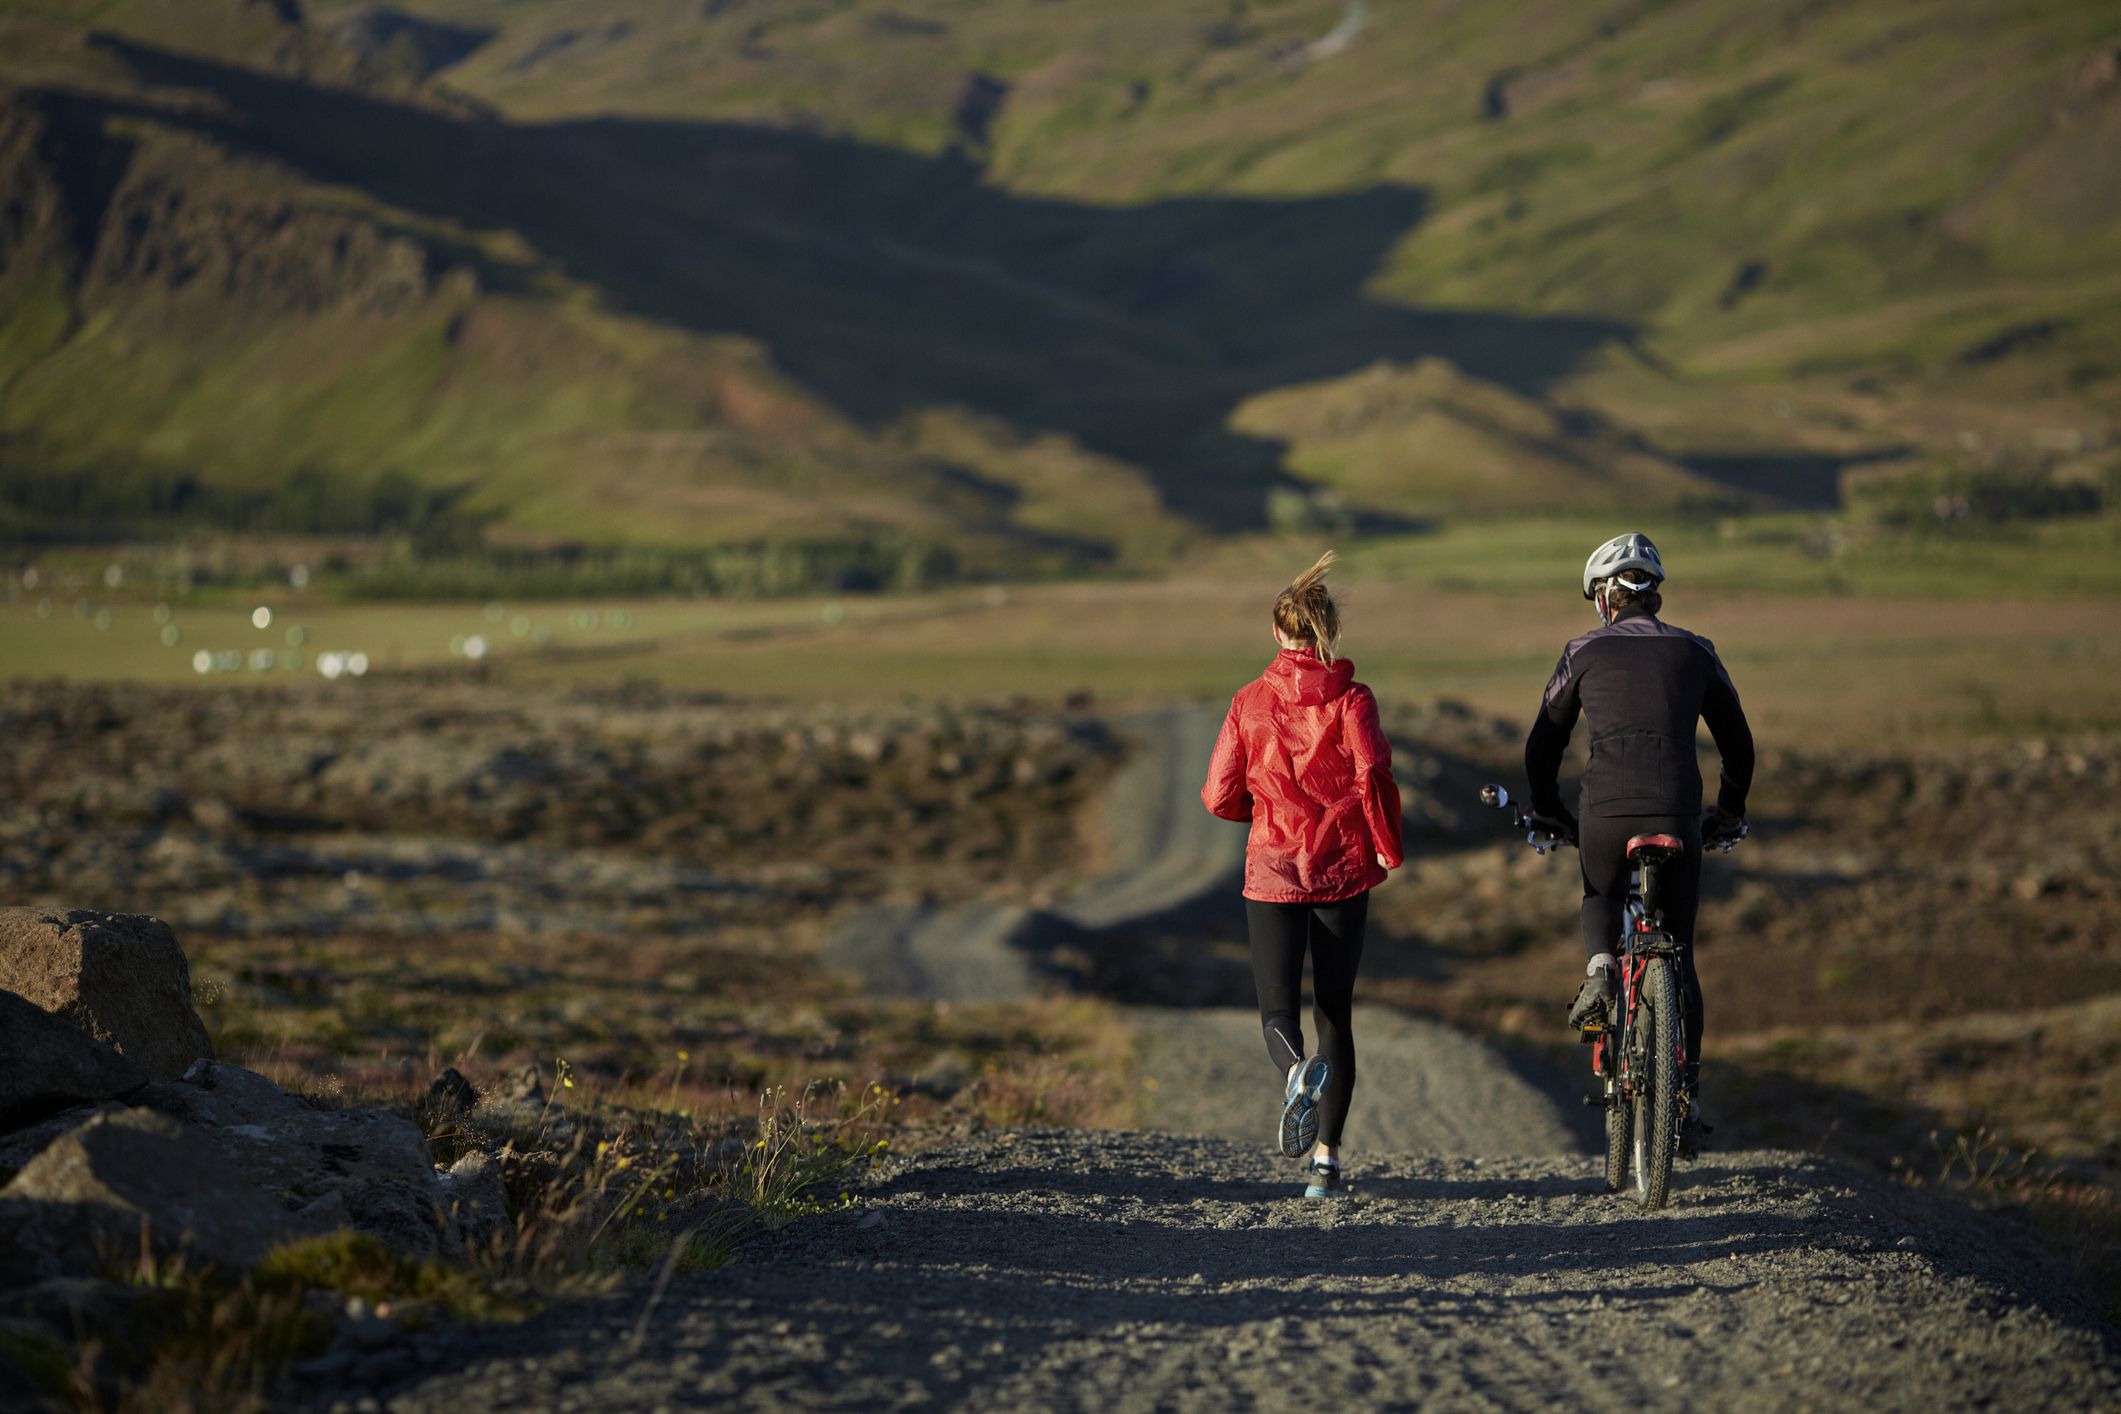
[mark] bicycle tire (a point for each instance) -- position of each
(1657, 1086)
(1617, 1138)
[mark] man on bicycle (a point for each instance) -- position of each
(1643, 684)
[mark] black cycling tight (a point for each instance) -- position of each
(1602, 847)
(1332, 933)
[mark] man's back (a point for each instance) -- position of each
(1643, 684)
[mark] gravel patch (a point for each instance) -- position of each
(1062, 1270)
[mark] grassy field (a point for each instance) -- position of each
(1888, 640)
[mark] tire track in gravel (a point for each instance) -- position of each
(1088, 1270)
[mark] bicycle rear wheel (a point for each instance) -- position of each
(1656, 1118)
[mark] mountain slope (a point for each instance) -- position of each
(1049, 285)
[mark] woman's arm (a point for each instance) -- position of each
(1225, 794)
(1372, 755)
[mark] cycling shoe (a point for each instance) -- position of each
(1594, 1000)
(1693, 1131)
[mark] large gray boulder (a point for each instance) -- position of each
(221, 1165)
(97, 1192)
(359, 1168)
(49, 1064)
(19, 1146)
(120, 977)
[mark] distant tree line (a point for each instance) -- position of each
(1988, 496)
(754, 570)
(102, 505)
(434, 547)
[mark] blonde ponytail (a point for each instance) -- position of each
(1305, 611)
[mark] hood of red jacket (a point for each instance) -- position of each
(1298, 678)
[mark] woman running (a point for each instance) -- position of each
(1302, 757)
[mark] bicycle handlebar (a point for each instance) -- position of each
(1543, 835)
(1521, 817)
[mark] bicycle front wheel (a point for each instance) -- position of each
(1617, 1137)
(1656, 1117)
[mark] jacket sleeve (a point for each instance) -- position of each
(1549, 739)
(1372, 756)
(1734, 739)
(1225, 793)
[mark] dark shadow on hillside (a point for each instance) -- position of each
(1802, 480)
(888, 281)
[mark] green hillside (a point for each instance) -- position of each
(1033, 285)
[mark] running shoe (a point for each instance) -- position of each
(1326, 1181)
(1299, 1106)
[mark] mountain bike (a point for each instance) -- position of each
(1639, 1055)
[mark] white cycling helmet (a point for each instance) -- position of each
(1632, 551)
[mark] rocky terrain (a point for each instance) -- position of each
(1032, 1268)
(127, 1149)
(415, 810)
(501, 847)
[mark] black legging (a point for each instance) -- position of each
(1603, 850)
(1332, 933)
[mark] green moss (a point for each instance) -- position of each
(357, 1264)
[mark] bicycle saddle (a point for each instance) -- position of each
(1665, 842)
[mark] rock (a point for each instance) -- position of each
(126, 1320)
(944, 1075)
(450, 1095)
(118, 976)
(19, 1146)
(376, 1164)
(102, 1188)
(524, 1084)
(47, 1064)
(405, 1213)
(474, 1199)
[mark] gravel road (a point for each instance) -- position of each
(1476, 1263)
(1421, 1087)
(1162, 850)
(1094, 1270)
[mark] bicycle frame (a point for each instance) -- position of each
(1642, 937)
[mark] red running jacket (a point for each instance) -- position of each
(1301, 756)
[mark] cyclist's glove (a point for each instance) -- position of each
(1558, 823)
(1718, 827)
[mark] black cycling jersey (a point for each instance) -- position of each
(1643, 684)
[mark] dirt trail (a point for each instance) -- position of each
(1421, 1087)
(1133, 1271)
(1476, 1264)
(1166, 851)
